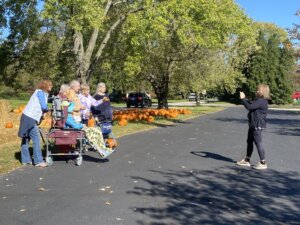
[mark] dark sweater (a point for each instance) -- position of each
(257, 112)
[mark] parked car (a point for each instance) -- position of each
(192, 97)
(117, 96)
(296, 95)
(137, 99)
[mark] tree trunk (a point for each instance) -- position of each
(86, 61)
(161, 89)
(197, 98)
(162, 100)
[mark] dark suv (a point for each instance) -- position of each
(139, 99)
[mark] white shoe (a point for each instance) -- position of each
(243, 162)
(260, 166)
(42, 164)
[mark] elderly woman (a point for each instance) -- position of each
(101, 92)
(64, 88)
(88, 101)
(104, 110)
(28, 130)
(71, 122)
(78, 106)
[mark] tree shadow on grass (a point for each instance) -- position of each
(228, 195)
(163, 125)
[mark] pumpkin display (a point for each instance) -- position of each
(9, 125)
(148, 115)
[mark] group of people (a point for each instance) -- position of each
(80, 105)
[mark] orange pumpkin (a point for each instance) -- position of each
(9, 125)
(16, 111)
(91, 122)
(150, 119)
(122, 122)
(111, 142)
(21, 108)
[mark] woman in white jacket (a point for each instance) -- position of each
(31, 116)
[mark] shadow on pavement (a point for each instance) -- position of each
(227, 195)
(211, 155)
(283, 112)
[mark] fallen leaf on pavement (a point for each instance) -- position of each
(42, 189)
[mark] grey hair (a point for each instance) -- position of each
(74, 83)
(64, 88)
(99, 85)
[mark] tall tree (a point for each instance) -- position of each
(271, 64)
(173, 31)
(92, 24)
(295, 37)
(21, 22)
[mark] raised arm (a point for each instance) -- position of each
(252, 106)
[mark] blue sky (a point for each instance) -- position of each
(279, 12)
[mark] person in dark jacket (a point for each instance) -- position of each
(257, 123)
(102, 111)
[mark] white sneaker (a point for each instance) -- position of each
(260, 166)
(243, 162)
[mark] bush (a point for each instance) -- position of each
(8, 93)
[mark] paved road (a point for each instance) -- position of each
(181, 174)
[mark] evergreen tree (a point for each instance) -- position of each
(273, 63)
(255, 73)
(287, 67)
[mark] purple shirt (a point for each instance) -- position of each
(87, 101)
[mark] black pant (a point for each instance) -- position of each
(256, 137)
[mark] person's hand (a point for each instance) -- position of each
(242, 95)
(105, 99)
(83, 107)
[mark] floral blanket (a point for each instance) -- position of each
(95, 138)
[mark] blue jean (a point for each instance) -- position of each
(37, 153)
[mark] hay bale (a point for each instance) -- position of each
(5, 108)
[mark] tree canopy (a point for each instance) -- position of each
(160, 45)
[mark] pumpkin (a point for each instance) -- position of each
(21, 108)
(9, 125)
(122, 122)
(111, 142)
(16, 111)
(91, 122)
(150, 119)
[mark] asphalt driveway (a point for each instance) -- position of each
(180, 174)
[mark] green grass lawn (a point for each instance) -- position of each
(10, 153)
